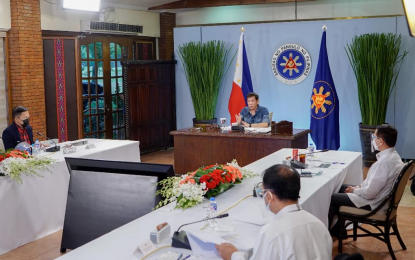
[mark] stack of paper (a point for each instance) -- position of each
(258, 130)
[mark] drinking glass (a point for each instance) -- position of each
(207, 215)
(302, 157)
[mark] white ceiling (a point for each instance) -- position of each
(138, 3)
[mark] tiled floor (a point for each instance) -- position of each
(47, 248)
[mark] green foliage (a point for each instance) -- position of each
(219, 189)
(204, 66)
(376, 62)
(166, 190)
(16, 167)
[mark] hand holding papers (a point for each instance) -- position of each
(203, 243)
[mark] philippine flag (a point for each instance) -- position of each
(242, 83)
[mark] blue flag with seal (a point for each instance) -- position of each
(324, 123)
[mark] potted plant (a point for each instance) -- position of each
(376, 61)
(205, 65)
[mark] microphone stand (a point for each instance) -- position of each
(180, 240)
(56, 148)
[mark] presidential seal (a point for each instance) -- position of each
(323, 100)
(291, 64)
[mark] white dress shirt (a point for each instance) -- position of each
(379, 181)
(292, 234)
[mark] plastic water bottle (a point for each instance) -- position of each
(310, 156)
(213, 212)
(311, 148)
(36, 148)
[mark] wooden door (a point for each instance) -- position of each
(101, 81)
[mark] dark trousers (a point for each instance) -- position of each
(341, 199)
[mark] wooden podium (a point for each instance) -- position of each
(193, 149)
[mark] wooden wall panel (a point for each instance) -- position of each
(150, 95)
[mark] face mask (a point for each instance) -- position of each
(375, 146)
(25, 122)
(267, 205)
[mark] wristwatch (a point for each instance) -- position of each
(250, 125)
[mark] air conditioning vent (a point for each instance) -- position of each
(111, 28)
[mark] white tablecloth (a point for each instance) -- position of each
(315, 197)
(36, 208)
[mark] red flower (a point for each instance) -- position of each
(227, 176)
(211, 180)
(211, 185)
(217, 171)
(208, 167)
(217, 177)
(204, 178)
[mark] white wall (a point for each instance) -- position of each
(56, 19)
(5, 22)
(320, 9)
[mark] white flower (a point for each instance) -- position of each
(190, 191)
(245, 172)
(15, 167)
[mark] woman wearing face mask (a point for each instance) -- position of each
(293, 233)
(379, 181)
(19, 131)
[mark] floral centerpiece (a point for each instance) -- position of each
(206, 182)
(14, 163)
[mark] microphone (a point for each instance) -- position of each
(300, 165)
(56, 148)
(180, 239)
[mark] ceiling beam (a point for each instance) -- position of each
(182, 4)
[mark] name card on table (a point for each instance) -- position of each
(146, 247)
(90, 146)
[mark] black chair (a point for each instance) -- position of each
(377, 218)
(354, 256)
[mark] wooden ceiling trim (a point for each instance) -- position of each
(183, 4)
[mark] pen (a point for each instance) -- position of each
(180, 256)
(186, 257)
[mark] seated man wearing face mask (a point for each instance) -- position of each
(379, 181)
(293, 233)
(19, 131)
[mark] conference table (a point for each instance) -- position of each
(243, 209)
(197, 148)
(36, 208)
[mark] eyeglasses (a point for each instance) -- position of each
(374, 136)
(261, 192)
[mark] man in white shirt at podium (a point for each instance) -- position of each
(293, 233)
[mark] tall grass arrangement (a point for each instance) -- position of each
(205, 65)
(376, 62)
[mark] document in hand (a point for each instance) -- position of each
(203, 243)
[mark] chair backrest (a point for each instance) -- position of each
(399, 187)
(270, 117)
(1, 145)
